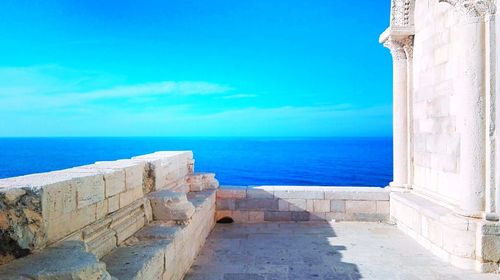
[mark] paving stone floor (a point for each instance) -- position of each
(318, 251)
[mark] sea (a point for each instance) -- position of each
(236, 161)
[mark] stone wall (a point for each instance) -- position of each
(436, 109)
(40, 209)
(283, 203)
(445, 190)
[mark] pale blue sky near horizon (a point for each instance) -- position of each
(291, 68)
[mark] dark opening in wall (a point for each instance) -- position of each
(225, 220)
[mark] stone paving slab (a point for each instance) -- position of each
(347, 250)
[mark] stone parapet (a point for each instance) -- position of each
(287, 203)
(167, 170)
(101, 204)
(125, 219)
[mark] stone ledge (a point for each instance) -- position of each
(464, 242)
(67, 260)
(164, 250)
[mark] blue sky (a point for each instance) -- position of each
(194, 68)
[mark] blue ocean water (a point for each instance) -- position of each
(237, 161)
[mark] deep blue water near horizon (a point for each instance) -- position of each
(237, 161)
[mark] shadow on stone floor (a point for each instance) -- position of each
(272, 251)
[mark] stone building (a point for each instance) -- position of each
(446, 187)
(149, 216)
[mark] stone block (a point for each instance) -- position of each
(170, 262)
(337, 206)
(101, 209)
(158, 231)
(309, 205)
(114, 178)
(133, 171)
(283, 205)
(490, 248)
(202, 181)
(300, 216)
(321, 205)
(459, 243)
(274, 216)
(367, 217)
(232, 193)
(259, 193)
(135, 176)
(114, 182)
(361, 207)
(113, 203)
(145, 260)
(356, 193)
(67, 260)
(317, 216)
(127, 227)
(240, 216)
(89, 190)
(383, 207)
(95, 229)
(257, 204)
(61, 226)
(297, 205)
(226, 204)
(102, 243)
(166, 167)
(435, 233)
(299, 194)
(255, 216)
(171, 206)
(59, 199)
(130, 196)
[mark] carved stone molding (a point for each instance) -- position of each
(473, 8)
(402, 13)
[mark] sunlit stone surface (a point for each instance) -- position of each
(319, 250)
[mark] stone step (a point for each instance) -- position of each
(164, 250)
(67, 260)
(143, 260)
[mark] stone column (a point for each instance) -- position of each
(470, 87)
(408, 47)
(400, 113)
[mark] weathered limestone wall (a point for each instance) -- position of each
(93, 211)
(40, 209)
(436, 108)
(283, 203)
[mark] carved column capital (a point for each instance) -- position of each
(401, 48)
(473, 8)
(408, 46)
